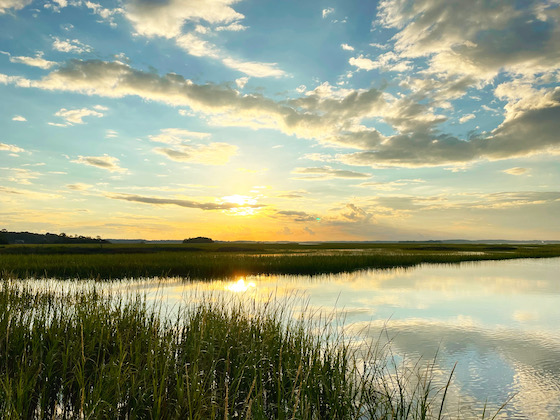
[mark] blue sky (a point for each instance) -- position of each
(266, 120)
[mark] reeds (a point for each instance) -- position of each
(212, 264)
(84, 353)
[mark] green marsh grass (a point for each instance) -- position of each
(91, 353)
(210, 262)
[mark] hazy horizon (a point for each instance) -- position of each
(281, 121)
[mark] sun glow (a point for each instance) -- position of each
(247, 205)
(240, 286)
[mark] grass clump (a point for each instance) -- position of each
(90, 354)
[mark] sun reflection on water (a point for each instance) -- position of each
(239, 286)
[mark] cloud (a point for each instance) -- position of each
(106, 15)
(106, 162)
(166, 19)
(466, 118)
(253, 68)
(389, 186)
(179, 202)
(327, 11)
(356, 214)
(11, 148)
(6, 5)
(36, 61)
(516, 171)
(388, 62)
(177, 136)
(326, 172)
(308, 230)
(197, 46)
(296, 216)
(330, 115)
(70, 46)
(29, 194)
(363, 63)
(236, 27)
(19, 118)
(75, 116)
(478, 38)
(211, 154)
(20, 176)
(347, 47)
(79, 186)
(241, 82)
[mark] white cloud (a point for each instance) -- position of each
(253, 68)
(36, 61)
(197, 46)
(241, 82)
(18, 118)
(6, 5)
(327, 11)
(177, 136)
(388, 61)
(166, 19)
(70, 45)
(106, 15)
(466, 118)
(211, 154)
(110, 134)
(363, 63)
(347, 47)
(236, 27)
(11, 148)
(75, 116)
(106, 162)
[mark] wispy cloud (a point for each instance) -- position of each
(11, 148)
(106, 162)
(37, 61)
(179, 202)
(70, 46)
(326, 172)
(210, 154)
(516, 171)
(327, 11)
(19, 118)
(75, 116)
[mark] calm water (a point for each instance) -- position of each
(499, 321)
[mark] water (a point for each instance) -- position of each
(498, 321)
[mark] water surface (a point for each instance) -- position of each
(496, 320)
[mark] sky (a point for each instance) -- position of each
(314, 120)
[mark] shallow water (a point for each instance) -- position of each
(497, 320)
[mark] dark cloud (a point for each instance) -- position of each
(177, 202)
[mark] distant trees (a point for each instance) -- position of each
(198, 240)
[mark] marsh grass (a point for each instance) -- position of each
(86, 353)
(120, 262)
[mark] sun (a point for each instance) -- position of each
(246, 204)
